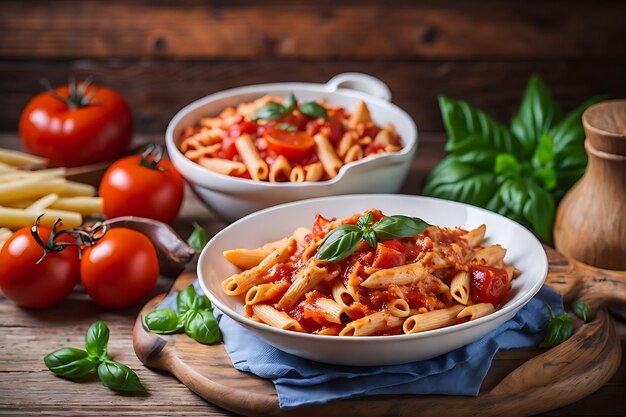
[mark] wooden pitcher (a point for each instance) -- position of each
(591, 219)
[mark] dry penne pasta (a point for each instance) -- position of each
(84, 205)
(43, 203)
(5, 234)
(33, 187)
(14, 219)
(409, 284)
(314, 146)
(21, 159)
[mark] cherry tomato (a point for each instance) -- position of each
(139, 186)
(292, 145)
(76, 125)
(120, 270)
(32, 284)
(489, 284)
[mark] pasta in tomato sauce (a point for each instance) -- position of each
(371, 274)
(278, 139)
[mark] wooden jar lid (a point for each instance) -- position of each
(605, 125)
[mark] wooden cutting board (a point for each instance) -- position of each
(520, 381)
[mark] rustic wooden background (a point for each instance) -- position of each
(163, 54)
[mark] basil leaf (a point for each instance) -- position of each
(370, 238)
(271, 111)
(182, 319)
(364, 221)
(162, 321)
(527, 200)
(201, 325)
(185, 299)
(537, 113)
(469, 128)
(70, 362)
(339, 243)
(398, 226)
(197, 239)
(507, 166)
(560, 328)
(97, 339)
(313, 109)
(119, 377)
(582, 310)
(290, 103)
(547, 177)
(461, 181)
(287, 126)
(544, 154)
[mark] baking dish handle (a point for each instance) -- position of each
(360, 82)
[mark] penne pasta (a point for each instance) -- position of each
(33, 187)
(399, 275)
(432, 320)
(280, 169)
(297, 174)
(360, 115)
(398, 286)
(327, 155)
(269, 315)
(223, 166)
(43, 203)
(313, 172)
(14, 219)
(354, 154)
(257, 168)
(21, 159)
(240, 283)
(83, 205)
(249, 258)
(309, 277)
(476, 311)
(460, 287)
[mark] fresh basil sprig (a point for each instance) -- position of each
(582, 310)
(560, 328)
(195, 317)
(274, 111)
(72, 363)
(197, 239)
(521, 171)
(343, 240)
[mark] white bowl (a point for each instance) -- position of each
(233, 197)
(523, 251)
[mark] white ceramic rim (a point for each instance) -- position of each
(330, 88)
(507, 309)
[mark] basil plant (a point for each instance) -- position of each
(520, 171)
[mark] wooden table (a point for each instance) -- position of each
(27, 387)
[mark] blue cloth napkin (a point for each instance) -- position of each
(301, 382)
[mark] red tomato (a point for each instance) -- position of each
(120, 270)
(389, 253)
(489, 284)
(32, 284)
(129, 188)
(74, 130)
(293, 145)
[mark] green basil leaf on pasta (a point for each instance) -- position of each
(340, 243)
(313, 109)
(271, 111)
(398, 226)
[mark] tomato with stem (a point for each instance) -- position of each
(39, 266)
(76, 124)
(145, 185)
(120, 269)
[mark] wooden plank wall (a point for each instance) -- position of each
(163, 54)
